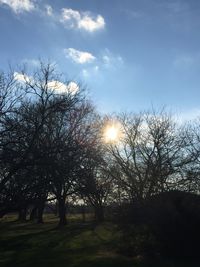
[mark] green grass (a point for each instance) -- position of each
(76, 245)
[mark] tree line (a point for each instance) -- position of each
(53, 148)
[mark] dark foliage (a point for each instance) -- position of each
(173, 218)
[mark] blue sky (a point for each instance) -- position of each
(131, 54)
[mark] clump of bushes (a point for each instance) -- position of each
(167, 224)
(174, 218)
(138, 241)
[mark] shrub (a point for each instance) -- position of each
(138, 241)
(167, 223)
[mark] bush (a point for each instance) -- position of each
(138, 241)
(172, 225)
(174, 218)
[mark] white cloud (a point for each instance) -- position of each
(73, 87)
(105, 62)
(56, 86)
(19, 6)
(111, 61)
(90, 72)
(20, 77)
(89, 24)
(79, 57)
(60, 88)
(106, 59)
(82, 20)
(49, 10)
(71, 16)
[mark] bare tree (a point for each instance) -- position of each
(191, 171)
(150, 155)
(38, 126)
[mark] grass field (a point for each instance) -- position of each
(76, 245)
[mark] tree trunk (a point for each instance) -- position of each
(56, 208)
(83, 212)
(62, 211)
(22, 215)
(40, 212)
(99, 214)
(33, 215)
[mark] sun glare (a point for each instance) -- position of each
(112, 133)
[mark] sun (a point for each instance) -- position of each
(112, 133)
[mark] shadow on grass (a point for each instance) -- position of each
(29, 245)
(76, 245)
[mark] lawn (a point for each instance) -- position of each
(76, 245)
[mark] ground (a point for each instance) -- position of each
(76, 245)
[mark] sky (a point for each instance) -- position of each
(131, 55)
